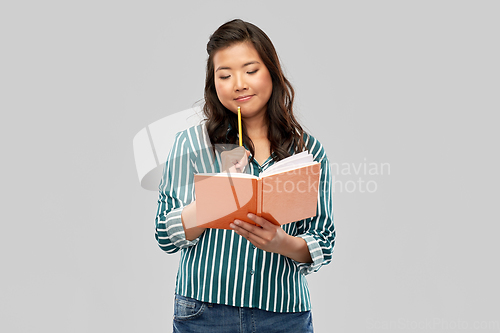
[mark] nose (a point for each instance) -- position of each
(240, 83)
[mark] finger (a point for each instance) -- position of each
(244, 159)
(237, 168)
(245, 227)
(240, 231)
(252, 238)
(259, 220)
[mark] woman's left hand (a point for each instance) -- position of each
(266, 235)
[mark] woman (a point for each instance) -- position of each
(251, 277)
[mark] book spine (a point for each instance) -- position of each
(259, 197)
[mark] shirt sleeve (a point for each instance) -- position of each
(319, 231)
(176, 190)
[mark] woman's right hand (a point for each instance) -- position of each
(235, 160)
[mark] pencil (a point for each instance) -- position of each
(239, 127)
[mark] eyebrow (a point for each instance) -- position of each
(248, 63)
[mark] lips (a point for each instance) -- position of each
(243, 98)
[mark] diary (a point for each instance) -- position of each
(285, 192)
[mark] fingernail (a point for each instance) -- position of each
(250, 215)
(236, 222)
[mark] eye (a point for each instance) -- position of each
(224, 77)
(252, 72)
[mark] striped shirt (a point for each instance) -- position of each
(222, 267)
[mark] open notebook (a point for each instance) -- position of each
(285, 192)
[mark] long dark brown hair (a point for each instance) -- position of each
(284, 131)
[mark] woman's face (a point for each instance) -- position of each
(242, 79)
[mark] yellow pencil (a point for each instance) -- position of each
(239, 126)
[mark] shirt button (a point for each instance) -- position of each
(254, 247)
(252, 272)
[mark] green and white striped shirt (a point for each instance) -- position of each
(222, 267)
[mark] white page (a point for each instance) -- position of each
(230, 174)
(286, 168)
(290, 162)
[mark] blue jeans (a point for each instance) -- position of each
(193, 316)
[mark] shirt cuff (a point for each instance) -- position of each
(316, 255)
(175, 230)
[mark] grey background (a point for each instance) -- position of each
(414, 84)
